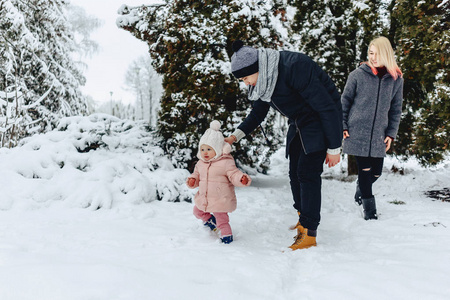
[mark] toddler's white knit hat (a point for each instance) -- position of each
(214, 138)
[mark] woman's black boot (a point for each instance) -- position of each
(370, 209)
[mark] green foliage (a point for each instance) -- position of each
(337, 33)
(190, 43)
(423, 39)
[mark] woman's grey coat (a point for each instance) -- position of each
(371, 108)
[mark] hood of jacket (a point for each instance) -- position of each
(226, 150)
(365, 67)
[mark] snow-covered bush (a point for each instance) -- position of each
(92, 162)
(40, 76)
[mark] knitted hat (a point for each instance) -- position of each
(214, 138)
(244, 61)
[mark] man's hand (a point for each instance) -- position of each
(332, 160)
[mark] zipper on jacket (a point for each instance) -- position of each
(300, 135)
(298, 129)
(375, 116)
(207, 181)
(295, 121)
(279, 109)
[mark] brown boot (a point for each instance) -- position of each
(305, 238)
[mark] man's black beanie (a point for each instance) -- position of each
(244, 61)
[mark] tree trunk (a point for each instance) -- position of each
(352, 167)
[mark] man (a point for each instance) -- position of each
(298, 88)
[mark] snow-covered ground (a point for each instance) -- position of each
(55, 244)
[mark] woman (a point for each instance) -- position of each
(372, 107)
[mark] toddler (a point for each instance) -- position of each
(216, 175)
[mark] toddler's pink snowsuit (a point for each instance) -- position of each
(216, 180)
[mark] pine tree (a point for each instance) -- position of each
(39, 81)
(419, 32)
(190, 43)
(372, 16)
(336, 34)
(328, 35)
(423, 39)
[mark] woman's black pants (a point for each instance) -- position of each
(369, 170)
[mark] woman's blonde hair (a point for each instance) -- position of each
(385, 56)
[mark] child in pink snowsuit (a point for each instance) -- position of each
(216, 175)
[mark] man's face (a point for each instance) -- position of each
(250, 79)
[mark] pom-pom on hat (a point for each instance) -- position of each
(244, 61)
(214, 138)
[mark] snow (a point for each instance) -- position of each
(58, 166)
(444, 2)
(361, 5)
(56, 244)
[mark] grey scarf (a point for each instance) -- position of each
(267, 75)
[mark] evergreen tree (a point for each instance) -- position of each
(327, 33)
(372, 16)
(419, 32)
(336, 34)
(423, 39)
(39, 80)
(190, 43)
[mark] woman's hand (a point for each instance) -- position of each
(231, 139)
(388, 141)
(346, 135)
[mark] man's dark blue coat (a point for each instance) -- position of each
(307, 96)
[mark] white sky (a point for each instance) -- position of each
(118, 48)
